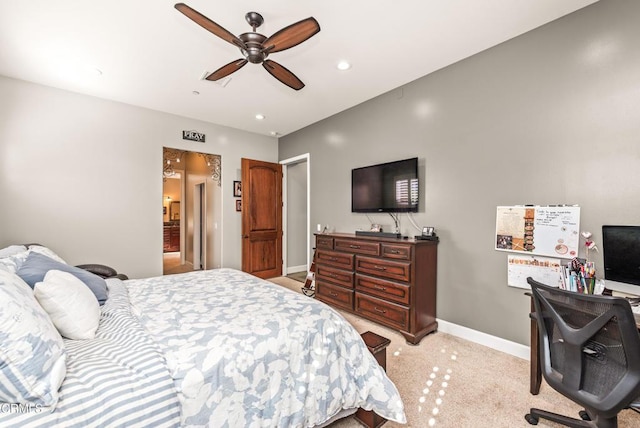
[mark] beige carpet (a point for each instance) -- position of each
(298, 276)
(449, 382)
(171, 264)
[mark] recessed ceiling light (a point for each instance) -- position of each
(343, 65)
(260, 116)
(76, 70)
(274, 133)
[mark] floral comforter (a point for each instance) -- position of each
(244, 352)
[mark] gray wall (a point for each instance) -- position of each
(84, 175)
(550, 117)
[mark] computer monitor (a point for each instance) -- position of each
(621, 253)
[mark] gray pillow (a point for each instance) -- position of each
(37, 265)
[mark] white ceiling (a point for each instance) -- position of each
(152, 56)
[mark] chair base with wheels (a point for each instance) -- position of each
(585, 421)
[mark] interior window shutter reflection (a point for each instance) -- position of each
(402, 192)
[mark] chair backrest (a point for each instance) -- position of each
(589, 347)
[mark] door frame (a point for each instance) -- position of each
(183, 218)
(306, 157)
(199, 222)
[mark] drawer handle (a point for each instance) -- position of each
(333, 259)
(382, 311)
(379, 267)
(333, 294)
(332, 275)
(377, 287)
(356, 247)
(395, 251)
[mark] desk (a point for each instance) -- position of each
(535, 371)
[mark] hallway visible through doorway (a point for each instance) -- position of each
(192, 210)
(171, 264)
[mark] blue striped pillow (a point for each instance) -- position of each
(32, 354)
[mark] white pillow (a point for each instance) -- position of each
(12, 258)
(72, 306)
(32, 355)
(45, 251)
(12, 250)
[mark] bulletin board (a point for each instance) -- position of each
(552, 230)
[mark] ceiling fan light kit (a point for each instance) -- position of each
(255, 47)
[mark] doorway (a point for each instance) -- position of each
(200, 210)
(173, 217)
(296, 252)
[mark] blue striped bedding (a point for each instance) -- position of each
(118, 379)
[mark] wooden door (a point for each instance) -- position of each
(261, 218)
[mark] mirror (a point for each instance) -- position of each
(174, 210)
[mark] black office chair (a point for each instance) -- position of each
(589, 352)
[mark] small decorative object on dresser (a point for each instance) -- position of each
(386, 280)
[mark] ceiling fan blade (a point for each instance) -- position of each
(226, 70)
(209, 25)
(291, 36)
(283, 75)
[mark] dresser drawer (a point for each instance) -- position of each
(324, 242)
(387, 313)
(358, 247)
(335, 295)
(397, 252)
(332, 258)
(387, 290)
(400, 271)
(337, 276)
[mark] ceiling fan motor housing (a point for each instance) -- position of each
(254, 53)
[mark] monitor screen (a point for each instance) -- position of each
(621, 253)
(387, 187)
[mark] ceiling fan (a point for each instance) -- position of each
(254, 46)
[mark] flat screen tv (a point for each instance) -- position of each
(621, 253)
(386, 187)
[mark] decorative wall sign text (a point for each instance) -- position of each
(193, 136)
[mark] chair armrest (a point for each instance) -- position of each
(100, 270)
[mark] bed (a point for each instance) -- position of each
(218, 348)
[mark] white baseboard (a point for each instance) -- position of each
(497, 343)
(295, 269)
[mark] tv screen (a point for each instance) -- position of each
(621, 253)
(387, 187)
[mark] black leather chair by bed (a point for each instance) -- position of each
(101, 270)
(590, 353)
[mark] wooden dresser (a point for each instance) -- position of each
(171, 237)
(387, 280)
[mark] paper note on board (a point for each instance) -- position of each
(543, 230)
